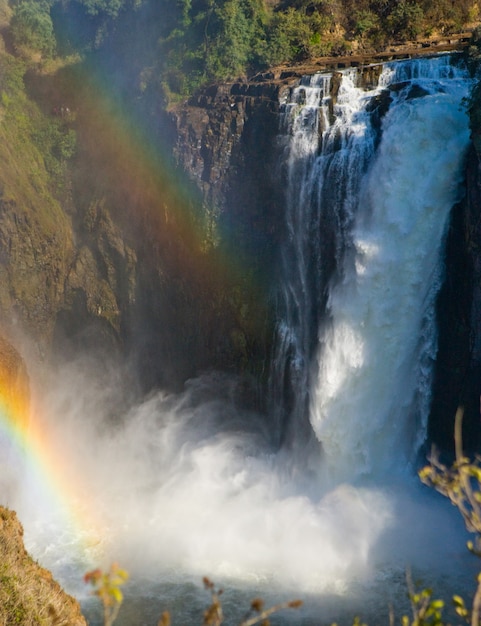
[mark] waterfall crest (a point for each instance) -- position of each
(372, 174)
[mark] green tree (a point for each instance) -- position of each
(406, 20)
(32, 27)
(108, 7)
(230, 39)
(365, 23)
(289, 36)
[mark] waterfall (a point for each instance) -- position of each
(371, 176)
(179, 486)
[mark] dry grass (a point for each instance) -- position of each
(28, 593)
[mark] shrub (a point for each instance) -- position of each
(461, 483)
(406, 21)
(32, 27)
(365, 23)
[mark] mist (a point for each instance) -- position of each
(177, 487)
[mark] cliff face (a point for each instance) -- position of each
(458, 367)
(64, 265)
(101, 249)
(468, 320)
(35, 235)
(225, 141)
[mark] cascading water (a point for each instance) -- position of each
(325, 156)
(188, 486)
(371, 182)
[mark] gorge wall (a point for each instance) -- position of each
(109, 248)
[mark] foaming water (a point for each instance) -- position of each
(192, 484)
(373, 392)
(180, 487)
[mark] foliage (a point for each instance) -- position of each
(38, 147)
(426, 611)
(109, 7)
(107, 587)
(188, 43)
(58, 142)
(210, 40)
(451, 16)
(461, 483)
(294, 36)
(231, 38)
(365, 22)
(213, 615)
(32, 27)
(48, 141)
(406, 20)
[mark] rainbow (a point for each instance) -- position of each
(37, 478)
(153, 201)
(129, 163)
(150, 200)
(130, 168)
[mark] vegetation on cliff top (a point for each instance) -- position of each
(187, 43)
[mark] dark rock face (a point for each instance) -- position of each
(226, 139)
(458, 366)
(35, 253)
(100, 287)
(451, 387)
(472, 249)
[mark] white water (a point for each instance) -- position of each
(366, 320)
(372, 396)
(187, 486)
